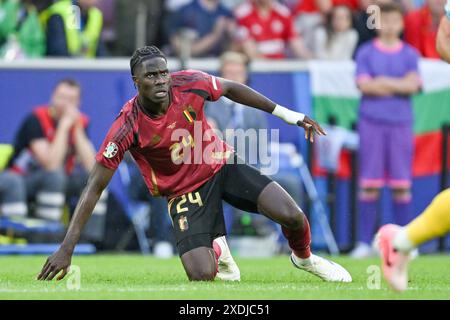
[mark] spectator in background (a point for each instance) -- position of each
(421, 27)
(137, 24)
(206, 24)
(48, 148)
(225, 114)
(337, 39)
(311, 14)
(65, 37)
(387, 75)
(266, 30)
(21, 34)
(308, 16)
(361, 16)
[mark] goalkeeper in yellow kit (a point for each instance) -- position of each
(395, 242)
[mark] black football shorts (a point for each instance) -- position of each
(197, 216)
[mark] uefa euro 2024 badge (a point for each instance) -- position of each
(110, 150)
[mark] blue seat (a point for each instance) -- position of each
(36, 226)
(43, 248)
(31, 225)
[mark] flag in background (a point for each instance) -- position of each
(336, 95)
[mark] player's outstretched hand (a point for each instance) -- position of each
(57, 262)
(311, 127)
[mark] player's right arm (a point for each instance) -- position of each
(118, 140)
(60, 260)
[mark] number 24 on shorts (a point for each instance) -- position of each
(192, 198)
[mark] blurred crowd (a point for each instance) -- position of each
(271, 29)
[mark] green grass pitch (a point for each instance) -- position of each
(139, 277)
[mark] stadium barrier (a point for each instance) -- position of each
(322, 89)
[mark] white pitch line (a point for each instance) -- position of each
(180, 289)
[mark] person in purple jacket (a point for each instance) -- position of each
(387, 76)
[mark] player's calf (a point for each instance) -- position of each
(275, 203)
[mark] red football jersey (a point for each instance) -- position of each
(271, 34)
(176, 152)
(420, 32)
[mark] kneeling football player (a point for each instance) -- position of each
(159, 128)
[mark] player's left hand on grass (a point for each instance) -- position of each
(57, 262)
(311, 127)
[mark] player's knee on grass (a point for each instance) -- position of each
(275, 203)
(201, 273)
(200, 264)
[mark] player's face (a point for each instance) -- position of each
(152, 80)
(391, 24)
(65, 96)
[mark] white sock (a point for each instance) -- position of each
(401, 241)
(301, 261)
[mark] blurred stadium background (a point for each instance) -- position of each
(305, 79)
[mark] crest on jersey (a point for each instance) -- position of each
(183, 223)
(156, 138)
(190, 114)
(110, 150)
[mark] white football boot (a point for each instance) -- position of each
(324, 269)
(228, 269)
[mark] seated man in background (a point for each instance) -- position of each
(50, 143)
(211, 26)
(225, 114)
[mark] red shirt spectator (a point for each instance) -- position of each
(270, 32)
(420, 31)
(311, 5)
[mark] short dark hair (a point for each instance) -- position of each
(68, 81)
(390, 7)
(144, 53)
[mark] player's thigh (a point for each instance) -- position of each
(278, 205)
(198, 212)
(400, 156)
(247, 189)
(243, 184)
(371, 153)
